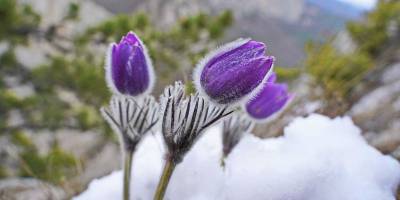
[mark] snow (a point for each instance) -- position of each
(317, 159)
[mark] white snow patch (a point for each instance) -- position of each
(317, 159)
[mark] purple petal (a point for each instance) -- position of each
(272, 98)
(235, 73)
(245, 52)
(130, 39)
(129, 70)
(232, 78)
(272, 78)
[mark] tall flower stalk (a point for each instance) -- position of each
(184, 119)
(131, 119)
(132, 112)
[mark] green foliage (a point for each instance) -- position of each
(373, 34)
(287, 74)
(217, 26)
(16, 21)
(82, 73)
(88, 117)
(337, 74)
(20, 139)
(189, 88)
(70, 88)
(169, 49)
(8, 101)
(45, 111)
(73, 12)
(3, 172)
(79, 75)
(7, 61)
(54, 167)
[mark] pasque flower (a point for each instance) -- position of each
(184, 119)
(233, 72)
(129, 74)
(129, 70)
(272, 98)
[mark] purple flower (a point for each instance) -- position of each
(233, 72)
(272, 98)
(129, 70)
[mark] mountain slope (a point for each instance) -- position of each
(284, 25)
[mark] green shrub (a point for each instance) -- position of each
(3, 172)
(54, 167)
(337, 74)
(16, 21)
(372, 35)
(287, 74)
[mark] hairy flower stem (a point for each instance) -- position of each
(222, 161)
(127, 173)
(164, 179)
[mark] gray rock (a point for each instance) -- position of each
(15, 118)
(55, 11)
(386, 141)
(376, 110)
(344, 43)
(34, 54)
(377, 113)
(29, 188)
(391, 74)
(100, 162)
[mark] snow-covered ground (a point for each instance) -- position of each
(317, 159)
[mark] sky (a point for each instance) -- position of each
(365, 4)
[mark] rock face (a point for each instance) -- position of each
(91, 148)
(284, 25)
(378, 112)
(169, 10)
(55, 11)
(265, 20)
(20, 189)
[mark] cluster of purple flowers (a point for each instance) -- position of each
(238, 74)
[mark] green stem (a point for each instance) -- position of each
(164, 179)
(127, 173)
(222, 162)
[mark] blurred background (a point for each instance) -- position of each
(340, 57)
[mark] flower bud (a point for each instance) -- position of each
(129, 70)
(233, 72)
(272, 98)
(233, 129)
(185, 118)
